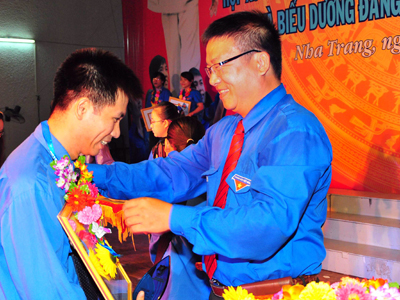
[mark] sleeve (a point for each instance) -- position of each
(293, 176)
(173, 179)
(39, 269)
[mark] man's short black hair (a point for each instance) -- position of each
(96, 74)
(250, 30)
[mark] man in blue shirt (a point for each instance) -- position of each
(276, 204)
(91, 90)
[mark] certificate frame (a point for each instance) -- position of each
(106, 287)
(185, 105)
(146, 114)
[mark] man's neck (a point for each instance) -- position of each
(266, 88)
(60, 128)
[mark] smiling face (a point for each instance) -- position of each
(237, 81)
(101, 125)
(185, 83)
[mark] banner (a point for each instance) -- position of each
(340, 60)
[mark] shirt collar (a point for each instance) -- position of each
(263, 107)
(58, 147)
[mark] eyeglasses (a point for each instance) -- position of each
(152, 121)
(216, 67)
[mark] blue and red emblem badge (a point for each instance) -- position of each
(240, 182)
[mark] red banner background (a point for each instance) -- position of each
(354, 93)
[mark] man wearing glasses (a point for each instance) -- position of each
(266, 171)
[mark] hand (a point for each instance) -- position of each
(147, 215)
(213, 8)
(140, 296)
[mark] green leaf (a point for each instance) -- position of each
(81, 159)
(85, 188)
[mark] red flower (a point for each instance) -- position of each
(79, 199)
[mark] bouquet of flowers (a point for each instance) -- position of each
(347, 289)
(89, 213)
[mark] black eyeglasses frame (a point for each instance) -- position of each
(209, 70)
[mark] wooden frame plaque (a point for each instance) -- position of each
(119, 288)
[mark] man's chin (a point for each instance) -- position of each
(228, 106)
(94, 152)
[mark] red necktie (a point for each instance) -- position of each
(220, 200)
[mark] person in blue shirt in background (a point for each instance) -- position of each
(270, 228)
(189, 93)
(155, 96)
(159, 93)
(91, 90)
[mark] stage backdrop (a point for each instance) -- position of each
(340, 60)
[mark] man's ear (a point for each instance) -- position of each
(82, 107)
(263, 63)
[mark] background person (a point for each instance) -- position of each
(209, 110)
(185, 281)
(161, 117)
(189, 93)
(91, 90)
(159, 93)
(183, 132)
(266, 170)
(138, 135)
(159, 64)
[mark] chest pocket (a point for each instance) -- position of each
(209, 173)
(239, 182)
(212, 184)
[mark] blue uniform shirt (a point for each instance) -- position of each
(34, 249)
(164, 96)
(195, 98)
(271, 225)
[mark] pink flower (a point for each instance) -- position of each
(94, 191)
(352, 291)
(62, 163)
(85, 216)
(384, 293)
(97, 212)
(335, 285)
(88, 215)
(278, 295)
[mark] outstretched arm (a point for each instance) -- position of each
(147, 215)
